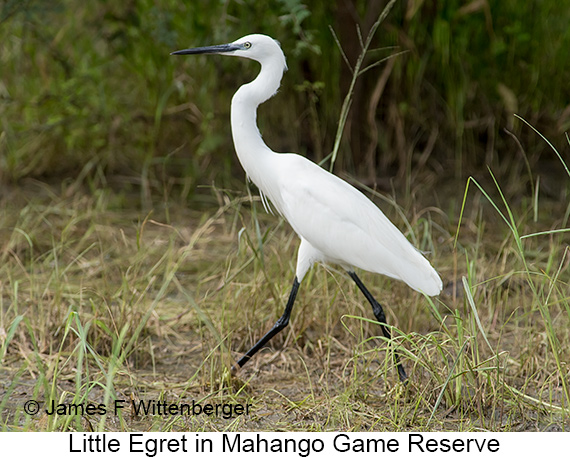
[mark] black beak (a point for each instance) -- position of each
(217, 49)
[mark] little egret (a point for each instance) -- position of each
(336, 223)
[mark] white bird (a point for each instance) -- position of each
(336, 223)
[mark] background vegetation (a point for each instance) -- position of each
(135, 262)
(92, 85)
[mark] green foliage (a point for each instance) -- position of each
(475, 65)
(92, 86)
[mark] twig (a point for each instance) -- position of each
(355, 74)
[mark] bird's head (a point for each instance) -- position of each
(261, 48)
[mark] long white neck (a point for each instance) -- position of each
(252, 152)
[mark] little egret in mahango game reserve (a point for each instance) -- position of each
(336, 223)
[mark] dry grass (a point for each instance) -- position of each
(101, 303)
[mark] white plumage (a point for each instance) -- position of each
(336, 222)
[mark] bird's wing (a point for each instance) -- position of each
(346, 227)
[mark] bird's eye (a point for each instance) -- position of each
(247, 45)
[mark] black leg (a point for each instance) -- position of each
(381, 317)
(279, 325)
